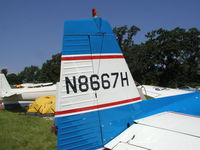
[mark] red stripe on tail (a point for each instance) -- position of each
(92, 57)
(97, 106)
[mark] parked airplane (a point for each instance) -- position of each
(98, 104)
(158, 92)
(22, 96)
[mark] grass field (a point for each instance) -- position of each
(21, 132)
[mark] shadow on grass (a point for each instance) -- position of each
(22, 110)
(16, 108)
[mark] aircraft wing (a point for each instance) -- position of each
(163, 131)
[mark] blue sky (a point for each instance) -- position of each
(31, 30)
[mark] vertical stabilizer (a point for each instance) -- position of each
(96, 91)
(4, 86)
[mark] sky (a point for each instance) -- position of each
(31, 31)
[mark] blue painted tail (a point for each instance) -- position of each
(95, 82)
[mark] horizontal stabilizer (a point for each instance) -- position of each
(162, 131)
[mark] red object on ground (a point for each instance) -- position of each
(54, 129)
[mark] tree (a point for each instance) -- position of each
(125, 36)
(29, 74)
(169, 58)
(13, 79)
(50, 71)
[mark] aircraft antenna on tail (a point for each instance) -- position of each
(94, 13)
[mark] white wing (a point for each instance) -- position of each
(162, 131)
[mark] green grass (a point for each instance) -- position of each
(21, 132)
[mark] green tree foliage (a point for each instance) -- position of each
(167, 58)
(29, 74)
(50, 71)
(141, 63)
(13, 79)
(125, 36)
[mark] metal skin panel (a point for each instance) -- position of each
(76, 45)
(94, 26)
(115, 70)
(79, 132)
(174, 121)
(120, 117)
(104, 44)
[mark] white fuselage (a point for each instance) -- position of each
(29, 94)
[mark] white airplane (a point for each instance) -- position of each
(99, 107)
(159, 92)
(22, 96)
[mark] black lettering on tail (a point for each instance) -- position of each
(124, 79)
(70, 84)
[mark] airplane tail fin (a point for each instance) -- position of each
(4, 86)
(96, 90)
